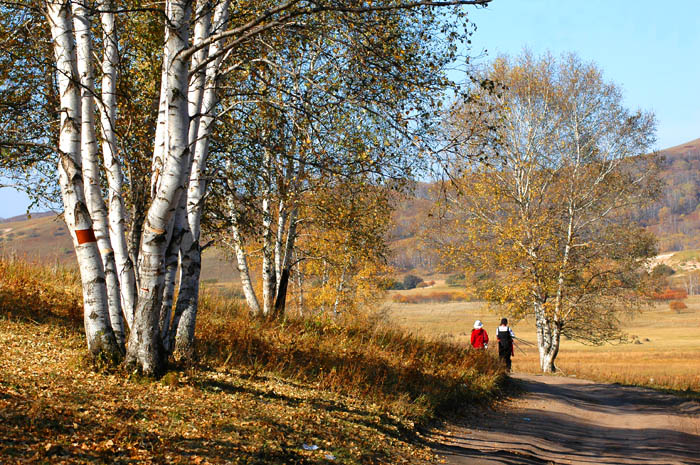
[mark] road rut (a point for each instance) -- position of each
(570, 421)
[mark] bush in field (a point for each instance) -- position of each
(662, 271)
(394, 285)
(677, 306)
(411, 281)
(455, 280)
(671, 294)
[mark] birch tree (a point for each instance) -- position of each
(329, 103)
(548, 211)
(126, 280)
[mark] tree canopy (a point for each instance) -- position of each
(549, 209)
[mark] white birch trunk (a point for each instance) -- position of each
(548, 338)
(205, 92)
(108, 117)
(269, 280)
(145, 346)
(98, 330)
(91, 171)
(160, 144)
(195, 92)
(172, 259)
(282, 215)
(242, 262)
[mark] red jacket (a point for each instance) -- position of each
(479, 338)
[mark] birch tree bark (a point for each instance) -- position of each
(269, 280)
(282, 215)
(115, 178)
(91, 170)
(242, 263)
(200, 135)
(160, 143)
(145, 351)
(202, 30)
(100, 337)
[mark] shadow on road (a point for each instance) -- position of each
(560, 420)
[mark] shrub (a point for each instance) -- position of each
(411, 281)
(455, 280)
(394, 285)
(671, 294)
(677, 306)
(662, 270)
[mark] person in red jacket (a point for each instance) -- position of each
(480, 340)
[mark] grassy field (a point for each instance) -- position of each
(302, 391)
(667, 354)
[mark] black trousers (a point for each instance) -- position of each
(504, 354)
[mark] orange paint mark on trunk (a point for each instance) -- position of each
(85, 235)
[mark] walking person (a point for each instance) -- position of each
(505, 338)
(480, 339)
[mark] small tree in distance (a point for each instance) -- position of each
(411, 281)
(548, 210)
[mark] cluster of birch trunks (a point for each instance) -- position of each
(129, 292)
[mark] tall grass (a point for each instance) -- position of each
(40, 293)
(431, 297)
(411, 376)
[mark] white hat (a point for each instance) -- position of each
(477, 324)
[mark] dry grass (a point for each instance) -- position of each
(430, 297)
(257, 394)
(664, 348)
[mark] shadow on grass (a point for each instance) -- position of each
(423, 378)
(387, 425)
(35, 431)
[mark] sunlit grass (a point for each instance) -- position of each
(667, 354)
(257, 392)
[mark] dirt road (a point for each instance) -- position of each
(571, 421)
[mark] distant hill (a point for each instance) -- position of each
(25, 217)
(44, 238)
(674, 219)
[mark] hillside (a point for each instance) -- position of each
(674, 218)
(44, 238)
(261, 392)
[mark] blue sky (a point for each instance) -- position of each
(651, 49)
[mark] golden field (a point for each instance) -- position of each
(666, 354)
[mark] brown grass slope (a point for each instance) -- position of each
(44, 238)
(257, 394)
